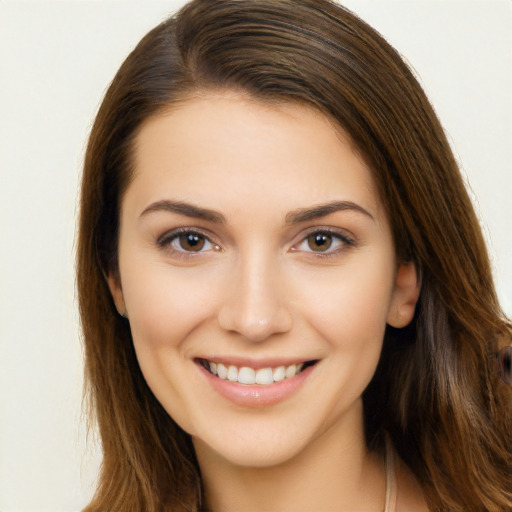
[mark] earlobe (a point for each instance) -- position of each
(405, 296)
(116, 290)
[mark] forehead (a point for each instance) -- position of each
(229, 148)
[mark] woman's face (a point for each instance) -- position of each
(253, 247)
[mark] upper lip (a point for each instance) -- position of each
(254, 363)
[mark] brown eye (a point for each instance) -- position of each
(191, 242)
(505, 365)
(185, 242)
(319, 242)
(324, 242)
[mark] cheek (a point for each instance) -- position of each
(165, 307)
(349, 306)
(165, 304)
(349, 314)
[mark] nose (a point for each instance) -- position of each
(255, 304)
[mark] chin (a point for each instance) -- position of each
(251, 453)
(260, 441)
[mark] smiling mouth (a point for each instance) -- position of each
(254, 376)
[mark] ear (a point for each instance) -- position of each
(116, 290)
(405, 295)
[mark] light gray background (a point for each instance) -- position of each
(56, 59)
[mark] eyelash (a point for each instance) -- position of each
(167, 240)
(344, 242)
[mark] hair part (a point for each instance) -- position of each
(436, 387)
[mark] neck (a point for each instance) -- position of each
(334, 472)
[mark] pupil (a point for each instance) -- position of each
(319, 242)
(191, 242)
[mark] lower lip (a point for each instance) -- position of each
(256, 395)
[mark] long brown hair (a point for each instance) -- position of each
(436, 390)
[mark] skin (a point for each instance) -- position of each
(259, 290)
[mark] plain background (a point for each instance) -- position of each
(56, 59)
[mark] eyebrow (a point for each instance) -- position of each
(322, 210)
(186, 209)
(293, 217)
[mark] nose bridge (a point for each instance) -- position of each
(255, 306)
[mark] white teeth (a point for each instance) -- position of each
(222, 371)
(250, 376)
(264, 376)
(290, 371)
(278, 373)
(247, 376)
(233, 373)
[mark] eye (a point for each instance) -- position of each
(187, 241)
(320, 241)
(190, 242)
(323, 242)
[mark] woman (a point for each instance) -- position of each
(286, 299)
